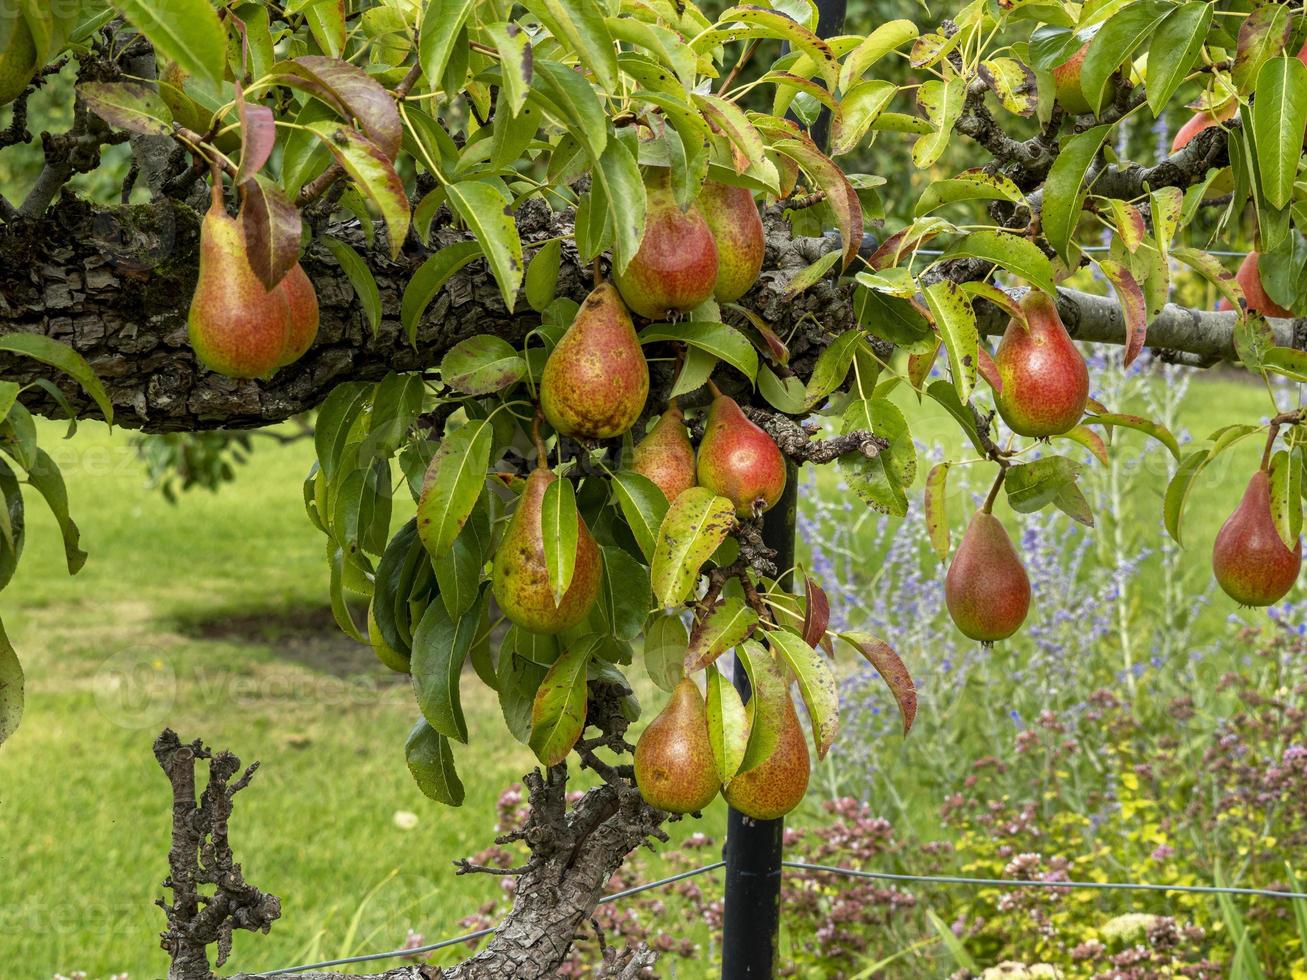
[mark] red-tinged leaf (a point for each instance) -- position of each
(372, 171)
(892, 669)
(988, 370)
(728, 625)
(899, 244)
(1090, 439)
(816, 613)
(991, 293)
(272, 227)
(1133, 306)
(1129, 224)
(1140, 424)
(258, 136)
(1095, 406)
(352, 92)
(936, 512)
(128, 105)
(771, 341)
(920, 365)
(840, 195)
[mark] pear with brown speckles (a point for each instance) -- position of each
(675, 267)
(673, 758)
(520, 578)
(596, 380)
(666, 456)
(776, 785)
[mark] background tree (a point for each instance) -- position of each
(448, 211)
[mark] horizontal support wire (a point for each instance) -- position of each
(835, 870)
(1131, 886)
(480, 933)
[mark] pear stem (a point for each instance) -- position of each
(712, 387)
(596, 273)
(215, 192)
(1270, 445)
(542, 453)
(988, 506)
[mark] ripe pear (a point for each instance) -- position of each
(665, 455)
(986, 588)
(1203, 120)
(596, 380)
(737, 231)
(675, 268)
(301, 301)
(1045, 381)
(776, 785)
(237, 327)
(739, 461)
(1249, 557)
(1066, 82)
(17, 60)
(1249, 278)
(673, 758)
(520, 579)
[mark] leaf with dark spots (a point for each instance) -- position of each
(891, 669)
(272, 225)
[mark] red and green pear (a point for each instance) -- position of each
(739, 461)
(736, 226)
(666, 456)
(675, 268)
(986, 589)
(1045, 381)
(674, 766)
(1250, 559)
(596, 380)
(520, 578)
(1249, 278)
(776, 785)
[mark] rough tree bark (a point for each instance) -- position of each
(115, 282)
(573, 852)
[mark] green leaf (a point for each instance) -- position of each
(942, 103)
(1064, 190)
(482, 365)
(973, 185)
(454, 481)
(1286, 361)
(773, 23)
(726, 626)
(431, 762)
(856, 112)
(1174, 50)
(626, 201)
(665, 645)
(185, 31)
(514, 47)
(579, 24)
(624, 593)
(542, 274)
(809, 276)
(696, 524)
(128, 105)
(575, 105)
(1279, 117)
(956, 322)
(1034, 485)
(1177, 491)
(64, 358)
(1018, 256)
(441, 24)
(488, 213)
(559, 524)
(373, 173)
(11, 688)
(766, 706)
(45, 476)
(1147, 426)
(440, 649)
(1286, 497)
(1114, 44)
(360, 277)
(1262, 35)
(722, 341)
(558, 713)
(817, 685)
(643, 505)
(873, 47)
(728, 725)
(429, 280)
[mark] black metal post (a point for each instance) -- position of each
(752, 914)
(751, 921)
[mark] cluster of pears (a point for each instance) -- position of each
(1250, 560)
(238, 327)
(594, 386)
(675, 771)
(17, 59)
(1045, 387)
(711, 250)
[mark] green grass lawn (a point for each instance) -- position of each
(210, 617)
